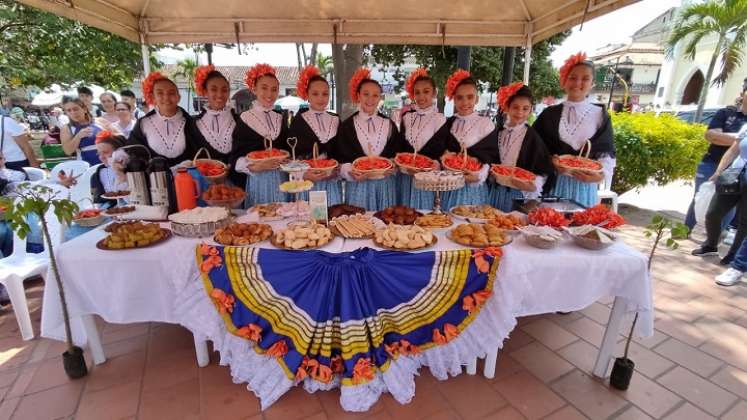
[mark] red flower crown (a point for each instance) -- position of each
(148, 83)
(359, 76)
(257, 71)
(569, 64)
(302, 86)
(505, 94)
(201, 74)
(453, 81)
(410, 85)
(103, 135)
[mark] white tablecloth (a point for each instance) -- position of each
(140, 285)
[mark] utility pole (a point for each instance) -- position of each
(463, 57)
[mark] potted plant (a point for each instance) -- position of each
(622, 370)
(27, 200)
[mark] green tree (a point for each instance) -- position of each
(726, 20)
(39, 48)
(186, 70)
(486, 64)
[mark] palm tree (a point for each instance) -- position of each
(724, 19)
(325, 65)
(186, 70)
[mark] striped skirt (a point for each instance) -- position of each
(372, 195)
(584, 193)
(264, 187)
(478, 194)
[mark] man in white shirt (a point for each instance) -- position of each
(14, 142)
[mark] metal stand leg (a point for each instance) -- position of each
(94, 339)
(610, 339)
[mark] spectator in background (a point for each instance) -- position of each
(722, 131)
(79, 136)
(86, 95)
(15, 146)
(129, 97)
(126, 122)
(57, 118)
(109, 115)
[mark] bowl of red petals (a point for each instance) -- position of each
(322, 165)
(460, 162)
(412, 162)
(88, 217)
(373, 166)
(514, 177)
(267, 155)
(546, 216)
(600, 216)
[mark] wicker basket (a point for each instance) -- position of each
(199, 230)
(231, 204)
(571, 171)
(373, 173)
(445, 166)
(315, 156)
(408, 169)
(214, 179)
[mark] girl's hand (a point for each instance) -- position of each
(471, 177)
(714, 177)
(86, 132)
(358, 176)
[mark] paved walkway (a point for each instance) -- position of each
(694, 367)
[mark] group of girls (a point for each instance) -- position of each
(567, 128)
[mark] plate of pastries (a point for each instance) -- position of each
(434, 221)
(133, 235)
(240, 234)
(303, 236)
(343, 210)
(399, 215)
(404, 238)
(479, 235)
(478, 213)
(356, 226)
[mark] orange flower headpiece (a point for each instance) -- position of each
(103, 135)
(302, 87)
(453, 81)
(569, 64)
(359, 76)
(201, 73)
(505, 94)
(148, 84)
(410, 85)
(257, 71)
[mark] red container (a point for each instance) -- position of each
(186, 190)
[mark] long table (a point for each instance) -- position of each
(144, 285)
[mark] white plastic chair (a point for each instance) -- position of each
(605, 193)
(35, 174)
(75, 167)
(20, 265)
(80, 193)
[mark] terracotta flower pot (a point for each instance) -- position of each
(75, 363)
(622, 372)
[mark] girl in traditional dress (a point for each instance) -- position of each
(467, 129)
(519, 145)
(79, 135)
(265, 125)
(565, 129)
(111, 175)
(316, 126)
(167, 130)
(367, 133)
(419, 127)
(218, 125)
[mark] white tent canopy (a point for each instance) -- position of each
(434, 22)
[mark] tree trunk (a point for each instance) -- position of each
(346, 61)
(303, 52)
(298, 55)
(56, 272)
(312, 56)
(707, 82)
